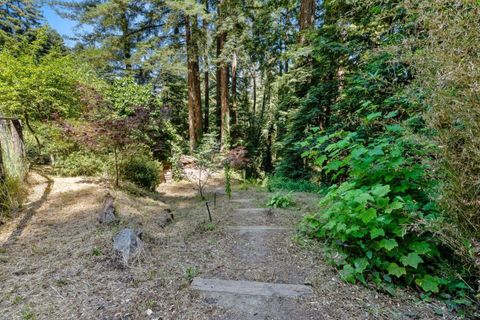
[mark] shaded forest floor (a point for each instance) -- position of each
(56, 261)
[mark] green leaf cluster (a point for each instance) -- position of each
(375, 213)
(281, 201)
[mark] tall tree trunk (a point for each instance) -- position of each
(307, 17)
(268, 161)
(34, 134)
(265, 102)
(234, 86)
(193, 79)
(223, 83)
(225, 110)
(288, 25)
(254, 84)
(218, 107)
(206, 121)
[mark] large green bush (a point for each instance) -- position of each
(142, 170)
(378, 213)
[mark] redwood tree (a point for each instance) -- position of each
(222, 81)
(307, 17)
(194, 93)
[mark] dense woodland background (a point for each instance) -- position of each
(373, 104)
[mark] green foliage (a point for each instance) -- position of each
(177, 147)
(281, 201)
(206, 226)
(80, 163)
(207, 160)
(378, 212)
(228, 180)
(53, 143)
(35, 86)
(126, 95)
(17, 18)
(96, 252)
(191, 272)
(142, 170)
(276, 182)
(28, 314)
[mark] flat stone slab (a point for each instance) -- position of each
(252, 288)
(257, 228)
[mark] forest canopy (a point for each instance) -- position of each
(372, 104)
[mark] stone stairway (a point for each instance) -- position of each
(269, 287)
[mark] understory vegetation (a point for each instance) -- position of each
(373, 105)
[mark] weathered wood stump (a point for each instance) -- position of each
(108, 214)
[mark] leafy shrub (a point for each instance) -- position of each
(142, 170)
(378, 214)
(206, 156)
(250, 183)
(53, 143)
(277, 182)
(80, 164)
(281, 201)
(228, 180)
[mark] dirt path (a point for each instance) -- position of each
(60, 265)
(259, 238)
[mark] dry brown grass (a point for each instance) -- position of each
(448, 77)
(61, 266)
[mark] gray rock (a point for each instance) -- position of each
(108, 215)
(127, 244)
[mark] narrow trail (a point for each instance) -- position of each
(260, 271)
(272, 295)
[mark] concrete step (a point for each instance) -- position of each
(249, 229)
(246, 211)
(252, 288)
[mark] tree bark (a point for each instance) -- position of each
(254, 84)
(223, 84)
(34, 134)
(234, 86)
(194, 92)
(206, 121)
(307, 17)
(268, 162)
(218, 107)
(225, 110)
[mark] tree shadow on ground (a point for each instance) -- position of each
(30, 211)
